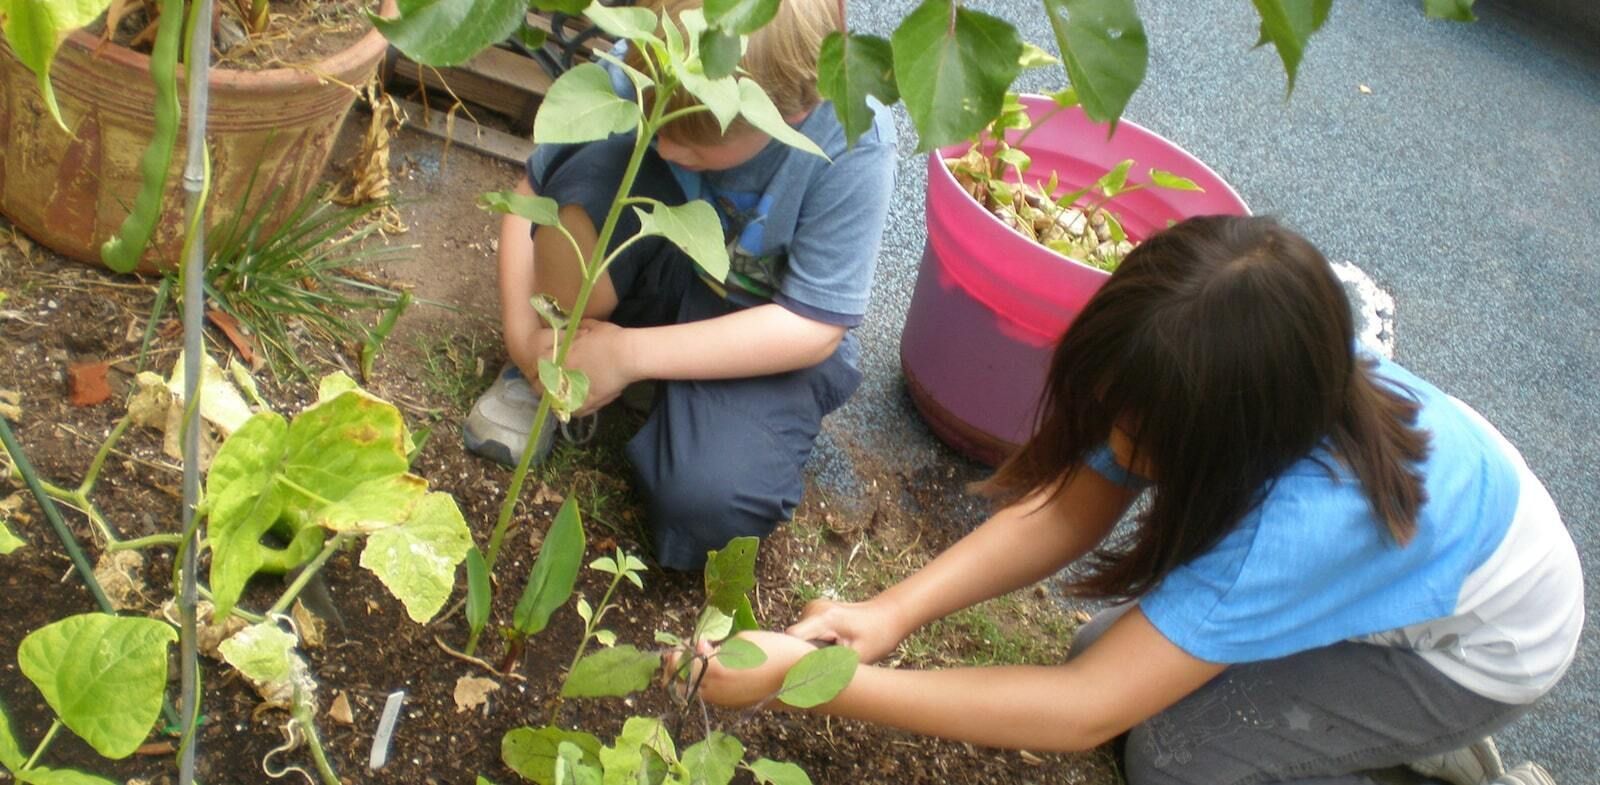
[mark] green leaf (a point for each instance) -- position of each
(636, 24)
(262, 652)
(1453, 10)
(582, 107)
(417, 560)
(1114, 226)
(714, 625)
(1111, 182)
(585, 612)
(9, 542)
(449, 32)
(771, 772)
(35, 30)
(740, 16)
(714, 760)
(532, 37)
(953, 66)
(1034, 57)
(819, 676)
(245, 500)
(11, 755)
(568, 7)
(721, 96)
(480, 594)
(540, 210)
(335, 446)
(1065, 97)
(1288, 25)
(668, 639)
(644, 745)
(609, 673)
(694, 227)
(103, 675)
(532, 753)
(554, 572)
(1103, 44)
(572, 769)
(1014, 158)
(568, 388)
(740, 654)
(605, 637)
(757, 109)
(334, 385)
(605, 564)
(744, 617)
(1164, 179)
(44, 775)
(720, 52)
(851, 67)
(374, 505)
(730, 573)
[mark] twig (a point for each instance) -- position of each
(475, 661)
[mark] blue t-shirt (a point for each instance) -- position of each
(1312, 565)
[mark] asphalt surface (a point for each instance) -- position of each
(1466, 183)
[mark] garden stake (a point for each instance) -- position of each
(385, 734)
(195, 181)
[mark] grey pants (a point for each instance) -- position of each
(1320, 717)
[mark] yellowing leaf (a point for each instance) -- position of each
(417, 560)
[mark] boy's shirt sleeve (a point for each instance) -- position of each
(839, 230)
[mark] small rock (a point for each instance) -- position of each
(340, 710)
(87, 384)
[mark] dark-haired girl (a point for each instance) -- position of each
(1339, 569)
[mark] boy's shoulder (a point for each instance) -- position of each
(823, 127)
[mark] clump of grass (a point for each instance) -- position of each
(452, 368)
(296, 275)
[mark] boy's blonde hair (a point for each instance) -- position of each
(781, 57)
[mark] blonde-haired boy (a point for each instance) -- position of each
(748, 367)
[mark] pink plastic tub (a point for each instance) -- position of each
(990, 304)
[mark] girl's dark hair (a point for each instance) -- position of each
(1224, 348)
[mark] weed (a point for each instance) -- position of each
(453, 369)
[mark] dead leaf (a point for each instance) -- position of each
(340, 710)
(87, 384)
(11, 509)
(472, 692)
(543, 495)
(241, 341)
(310, 625)
(210, 635)
(150, 402)
(1030, 758)
(121, 577)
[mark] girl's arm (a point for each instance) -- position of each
(1124, 678)
(1021, 545)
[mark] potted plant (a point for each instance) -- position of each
(80, 109)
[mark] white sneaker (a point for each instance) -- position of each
(498, 426)
(1526, 774)
(1475, 764)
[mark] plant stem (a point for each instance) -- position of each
(43, 744)
(307, 574)
(583, 645)
(302, 490)
(100, 457)
(141, 543)
(303, 717)
(1033, 125)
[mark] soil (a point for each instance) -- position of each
(56, 314)
(298, 32)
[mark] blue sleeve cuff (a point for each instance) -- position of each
(1104, 463)
(817, 314)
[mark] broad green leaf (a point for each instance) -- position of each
(757, 109)
(480, 594)
(851, 67)
(1034, 57)
(694, 227)
(1104, 47)
(44, 775)
(612, 673)
(374, 505)
(643, 745)
(449, 32)
(572, 769)
(532, 753)
(9, 542)
(582, 107)
(771, 772)
(1454, 10)
(417, 560)
(103, 675)
(540, 210)
(819, 676)
(730, 573)
(637, 24)
(668, 639)
(740, 16)
(714, 625)
(720, 52)
(1111, 182)
(334, 385)
(336, 445)
(35, 30)
(554, 572)
(244, 501)
(744, 616)
(721, 96)
(11, 755)
(740, 654)
(953, 76)
(1164, 179)
(714, 760)
(262, 652)
(1288, 25)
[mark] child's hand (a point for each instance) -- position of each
(872, 628)
(740, 688)
(601, 352)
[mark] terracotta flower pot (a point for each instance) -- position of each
(72, 191)
(990, 304)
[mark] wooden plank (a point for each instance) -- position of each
(466, 133)
(496, 79)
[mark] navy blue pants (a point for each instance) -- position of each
(716, 459)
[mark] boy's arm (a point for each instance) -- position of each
(524, 334)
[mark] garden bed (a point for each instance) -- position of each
(431, 367)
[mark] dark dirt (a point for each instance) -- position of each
(62, 314)
(298, 32)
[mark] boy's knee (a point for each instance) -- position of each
(698, 510)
